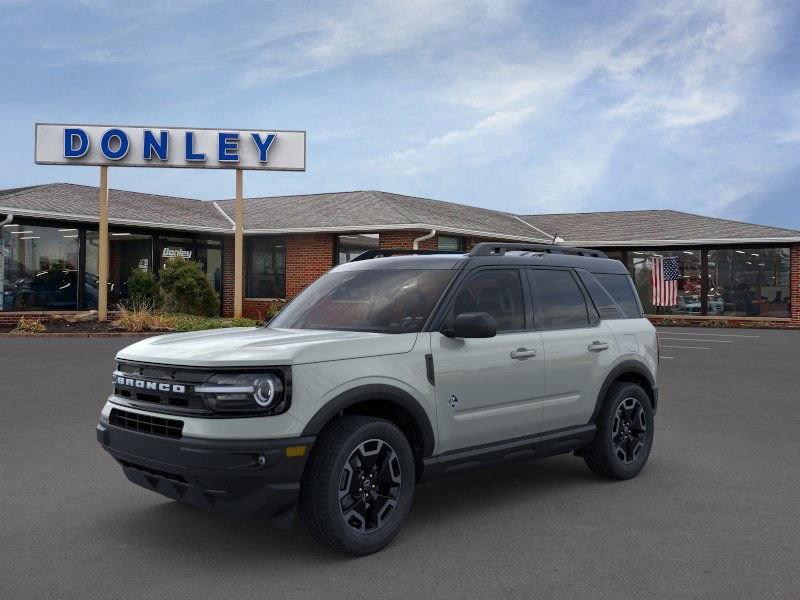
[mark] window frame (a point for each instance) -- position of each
(248, 271)
(592, 316)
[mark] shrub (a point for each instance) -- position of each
(242, 322)
(186, 290)
(143, 289)
(26, 325)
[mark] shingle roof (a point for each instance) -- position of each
(374, 210)
(364, 211)
(71, 201)
(650, 225)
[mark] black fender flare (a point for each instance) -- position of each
(626, 366)
(376, 391)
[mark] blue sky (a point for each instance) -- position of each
(530, 107)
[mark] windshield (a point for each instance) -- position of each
(389, 301)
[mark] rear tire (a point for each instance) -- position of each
(624, 435)
(358, 486)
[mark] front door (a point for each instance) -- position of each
(490, 389)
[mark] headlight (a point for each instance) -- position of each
(245, 392)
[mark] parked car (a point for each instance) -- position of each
(390, 370)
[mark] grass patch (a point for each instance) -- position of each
(185, 322)
(26, 325)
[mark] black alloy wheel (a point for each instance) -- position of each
(369, 486)
(624, 435)
(629, 432)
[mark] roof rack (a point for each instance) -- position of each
(384, 252)
(500, 248)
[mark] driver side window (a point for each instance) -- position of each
(497, 292)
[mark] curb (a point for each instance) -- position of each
(82, 335)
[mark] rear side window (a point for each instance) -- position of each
(621, 290)
(607, 306)
(560, 300)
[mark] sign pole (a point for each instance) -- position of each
(238, 255)
(102, 259)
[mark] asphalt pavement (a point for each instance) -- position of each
(715, 514)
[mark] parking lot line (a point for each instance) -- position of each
(668, 357)
(671, 339)
(688, 347)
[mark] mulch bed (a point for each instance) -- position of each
(62, 326)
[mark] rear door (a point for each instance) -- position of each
(579, 348)
(489, 390)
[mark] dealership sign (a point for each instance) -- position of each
(193, 148)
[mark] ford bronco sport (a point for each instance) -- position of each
(386, 371)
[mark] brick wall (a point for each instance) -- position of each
(794, 284)
(308, 256)
(405, 239)
(227, 277)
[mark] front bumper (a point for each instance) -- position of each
(245, 477)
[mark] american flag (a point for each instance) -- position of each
(665, 280)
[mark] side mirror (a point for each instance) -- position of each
(472, 325)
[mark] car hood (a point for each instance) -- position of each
(259, 346)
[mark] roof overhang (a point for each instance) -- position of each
(683, 242)
(93, 219)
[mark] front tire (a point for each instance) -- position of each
(358, 486)
(624, 435)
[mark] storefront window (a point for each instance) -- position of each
(209, 255)
(668, 281)
(39, 268)
(128, 252)
(748, 282)
(350, 246)
(266, 267)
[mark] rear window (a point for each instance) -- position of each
(621, 290)
(612, 294)
(561, 302)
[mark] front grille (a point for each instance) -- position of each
(169, 428)
(158, 473)
(156, 376)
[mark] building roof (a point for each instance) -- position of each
(80, 203)
(642, 227)
(371, 211)
(374, 210)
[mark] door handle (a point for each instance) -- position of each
(597, 346)
(522, 353)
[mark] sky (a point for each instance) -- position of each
(527, 107)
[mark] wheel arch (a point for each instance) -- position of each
(631, 371)
(387, 402)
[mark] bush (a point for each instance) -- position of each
(26, 325)
(143, 289)
(141, 317)
(186, 290)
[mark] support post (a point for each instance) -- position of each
(102, 255)
(238, 253)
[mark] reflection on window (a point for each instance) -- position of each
(39, 268)
(266, 267)
(496, 292)
(350, 246)
(560, 300)
(747, 282)
(652, 269)
(128, 252)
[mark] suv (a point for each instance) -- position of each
(386, 371)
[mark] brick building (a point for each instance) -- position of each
(742, 273)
